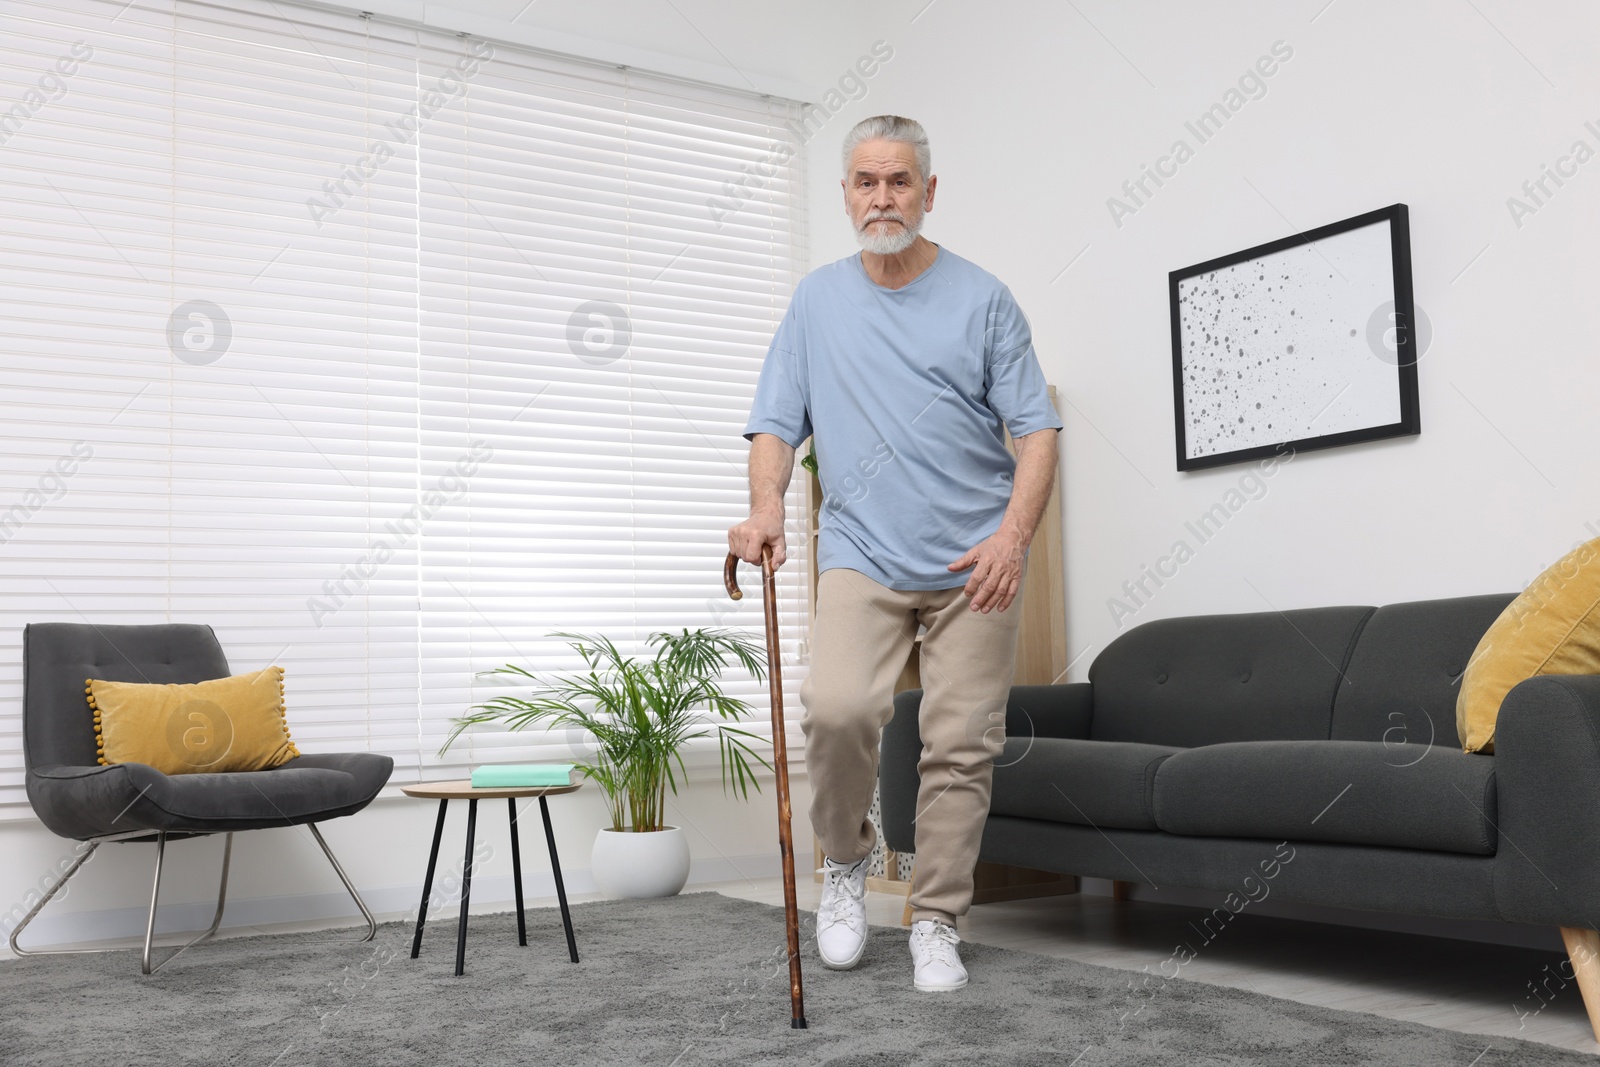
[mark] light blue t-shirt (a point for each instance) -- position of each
(907, 393)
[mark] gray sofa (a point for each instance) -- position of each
(1200, 743)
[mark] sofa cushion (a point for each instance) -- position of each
(1352, 792)
(1405, 672)
(84, 802)
(1090, 783)
(220, 725)
(1208, 679)
(1552, 627)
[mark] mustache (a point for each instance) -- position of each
(883, 216)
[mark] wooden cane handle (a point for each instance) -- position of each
(730, 571)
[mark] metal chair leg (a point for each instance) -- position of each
(16, 931)
(372, 924)
(155, 891)
(149, 945)
(155, 896)
(145, 965)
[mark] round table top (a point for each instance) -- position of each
(463, 790)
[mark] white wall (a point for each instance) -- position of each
(1038, 115)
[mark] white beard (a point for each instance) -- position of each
(892, 243)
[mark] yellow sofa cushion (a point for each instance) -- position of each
(1553, 627)
(227, 724)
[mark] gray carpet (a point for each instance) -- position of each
(678, 982)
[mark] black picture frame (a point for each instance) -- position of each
(1189, 456)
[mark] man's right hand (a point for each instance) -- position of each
(771, 463)
(761, 528)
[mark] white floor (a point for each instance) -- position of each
(1460, 985)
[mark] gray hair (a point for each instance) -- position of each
(891, 128)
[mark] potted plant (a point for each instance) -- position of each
(640, 711)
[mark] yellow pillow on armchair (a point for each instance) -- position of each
(226, 724)
(1553, 627)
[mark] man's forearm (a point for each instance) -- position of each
(771, 465)
(1031, 485)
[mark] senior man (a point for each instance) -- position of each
(904, 364)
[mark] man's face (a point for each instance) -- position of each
(886, 196)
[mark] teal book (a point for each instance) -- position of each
(516, 776)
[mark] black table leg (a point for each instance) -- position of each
(466, 888)
(516, 874)
(427, 883)
(561, 890)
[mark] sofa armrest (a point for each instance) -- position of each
(1547, 771)
(85, 802)
(1032, 711)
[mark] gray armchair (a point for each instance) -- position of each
(76, 797)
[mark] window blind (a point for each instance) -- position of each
(385, 352)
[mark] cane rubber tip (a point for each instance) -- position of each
(797, 1024)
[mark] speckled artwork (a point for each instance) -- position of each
(1276, 348)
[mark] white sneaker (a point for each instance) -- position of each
(935, 957)
(842, 914)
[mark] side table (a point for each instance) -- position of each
(445, 792)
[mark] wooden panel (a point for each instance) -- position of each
(1042, 633)
(993, 882)
(813, 519)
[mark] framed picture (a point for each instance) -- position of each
(1301, 343)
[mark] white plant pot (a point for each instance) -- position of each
(633, 866)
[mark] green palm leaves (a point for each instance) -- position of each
(640, 711)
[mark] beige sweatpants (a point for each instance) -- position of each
(860, 642)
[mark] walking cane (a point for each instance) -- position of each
(780, 761)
